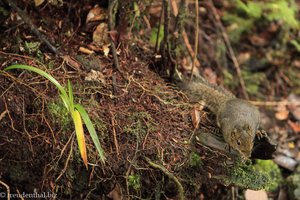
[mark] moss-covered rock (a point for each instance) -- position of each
(245, 176)
(272, 170)
(293, 182)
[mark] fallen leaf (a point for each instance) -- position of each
(85, 50)
(71, 62)
(96, 14)
(106, 50)
(38, 2)
(258, 40)
(95, 76)
(296, 63)
(210, 75)
(286, 162)
(291, 145)
(294, 126)
(244, 57)
(115, 194)
(195, 118)
(256, 195)
(100, 35)
(94, 47)
(282, 112)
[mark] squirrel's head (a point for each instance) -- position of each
(241, 140)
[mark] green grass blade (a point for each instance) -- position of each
(71, 97)
(47, 76)
(91, 130)
(66, 101)
(39, 71)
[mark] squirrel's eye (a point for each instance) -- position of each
(238, 142)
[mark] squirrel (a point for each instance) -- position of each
(238, 119)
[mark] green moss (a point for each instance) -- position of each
(59, 115)
(195, 160)
(293, 183)
(246, 176)
(100, 125)
(134, 181)
(242, 17)
(272, 170)
(141, 123)
(18, 173)
(293, 73)
(253, 81)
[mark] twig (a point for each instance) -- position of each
(7, 189)
(164, 43)
(170, 175)
(275, 103)
(3, 114)
(178, 30)
(158, 30)
(32, 27)
(112, 4)
(196, 39)
(228, 45)
(115, 134)
(68, 158)
(189, 48)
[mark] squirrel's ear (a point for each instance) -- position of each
(234, 131)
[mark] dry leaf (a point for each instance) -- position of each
(282, 112)
(296, 63)
(95, 76)
(71, 62)
(256, 195)
(115, 194)
(195, 118)
(100, 35)
(38, 2)
(244, 57)
(106, 50)
(96, 14)
(174, 7)
(294, 126)
(85, 50)
(291, 145)
(210, 75)
(258, 40)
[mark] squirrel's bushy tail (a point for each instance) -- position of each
(213, 96)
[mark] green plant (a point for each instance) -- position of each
(134, 181)
(195, 160)
(247, 13)
(77, 112)
(245, 176)
(272, 170)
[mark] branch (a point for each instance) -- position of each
(170, 175)
(228, 45)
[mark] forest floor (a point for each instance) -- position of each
(145, 124)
